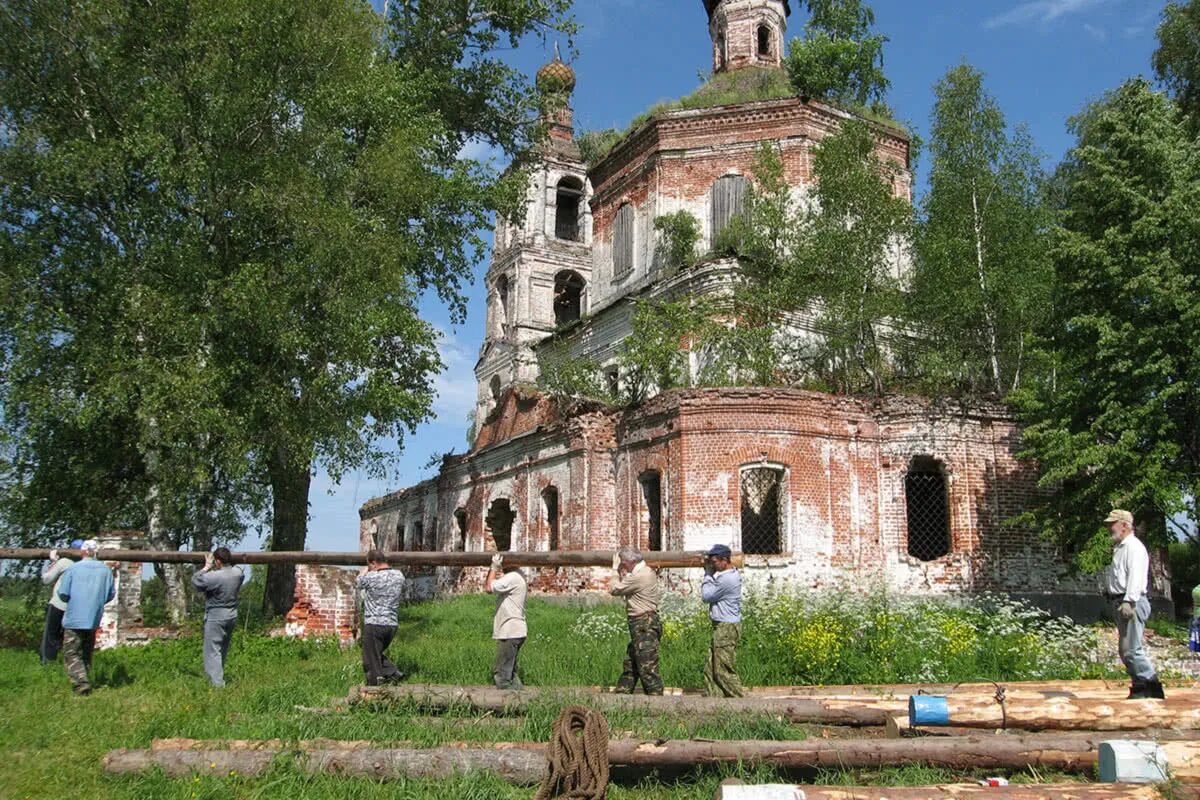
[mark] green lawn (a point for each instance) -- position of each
(54, 742)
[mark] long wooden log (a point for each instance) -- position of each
(553, 558)
(525, 763)
(1179, 710)
(1114, 689)
(965, 791)
(829, 711)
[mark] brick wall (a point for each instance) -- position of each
(325, 603)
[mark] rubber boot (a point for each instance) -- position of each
(1154, 689)
(1139, 689)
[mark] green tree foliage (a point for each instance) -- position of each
(1116, 420)
(217, 220)
(839, 59)
(847, 260)
(982, 278)
(654, 357)
(1177, 59)
(569, 380)
(678, 235)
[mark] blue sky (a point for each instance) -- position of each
(1043, 60)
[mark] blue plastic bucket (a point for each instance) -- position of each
(928, 709)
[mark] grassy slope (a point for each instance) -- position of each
(54, 742)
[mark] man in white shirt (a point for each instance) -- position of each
(508, 626)
(1125, 587)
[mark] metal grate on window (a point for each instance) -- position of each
(927, 509)
(762, 511)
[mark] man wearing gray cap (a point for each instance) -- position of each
(86, 587)
(1125, 588)
(721, 588)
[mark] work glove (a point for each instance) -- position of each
(1126, 611)
(709, 567)
(53, 555)
(497, 562)
(616, 562)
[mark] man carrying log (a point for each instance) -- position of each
(85, 587)
(381, 588)
(508, 626)
(52, 631)
(721, 588)
(220, 582)
(638, 584)
(1125, 588)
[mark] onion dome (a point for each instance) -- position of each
(556, 77)
(711, 5)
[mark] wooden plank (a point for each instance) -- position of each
(965, 791)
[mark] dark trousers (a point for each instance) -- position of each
(641, 657)
(52, 634)
(504, 671)
(375, 641)
(78, 645)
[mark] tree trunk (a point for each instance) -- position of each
(1060, 791)
(981, 275)
(158, 535)
(1180, 710)
(829, 711)
(289, 526)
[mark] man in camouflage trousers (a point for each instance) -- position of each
(721, 588)
(85, 588)
(638, 584)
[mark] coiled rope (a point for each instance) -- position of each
(577, 756)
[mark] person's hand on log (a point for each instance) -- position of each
(710, 568)
(497, 563)
(208, 562)
(1126, 611)
(616, 562)
(53, 556)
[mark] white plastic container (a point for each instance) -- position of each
(766, 791)
(1128, 761)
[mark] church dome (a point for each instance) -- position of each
(556, 77)
(711, 5)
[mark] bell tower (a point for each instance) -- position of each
(747, 33)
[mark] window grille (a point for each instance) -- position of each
(728, 202)
(927, 509)
(652, 496)
(762, 511)
(623, 241)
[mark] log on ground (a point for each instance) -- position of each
(827, 711)
(1179, 710)
(966, 791)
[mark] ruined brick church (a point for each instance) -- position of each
(817, 490)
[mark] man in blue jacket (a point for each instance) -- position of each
(721, 588)
(86, 587)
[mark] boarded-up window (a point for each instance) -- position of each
(927, 509)
(550, 506)
(652, 496)
(623, 241)
(566, 204)
(728, 201)
(762, 511)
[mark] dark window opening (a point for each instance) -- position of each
(460, 535)
(502, 298)
(568, 297)
(398, 540)
(612, 381)
(762, 511)
(623, 241)
(550, 505)
(764, 41)
(652, 497)
(567, 202)
(728, 202)
(500, 522)
(927, 509)
(720, 50)
(494, 387)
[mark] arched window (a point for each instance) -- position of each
(764, 41)
(494, 388)
(502, 300)
(567, 204)
(460, 534)
(927, 509)
(762, 510)
(499, 521)
(550, 507)
(728, 202)
(568, 297)
(622, 241)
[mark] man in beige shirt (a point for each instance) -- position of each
(508, 626)
(638, 584)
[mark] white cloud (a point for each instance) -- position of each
(1096, 32)
(1040, 12)
(455, 385)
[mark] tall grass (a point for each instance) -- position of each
(53, 742)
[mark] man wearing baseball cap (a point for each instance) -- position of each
(52, 632)
(86, 588)
(1125, 588)
(721, 588)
